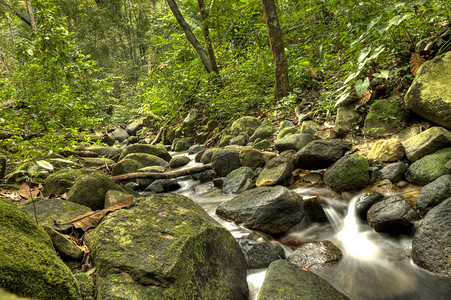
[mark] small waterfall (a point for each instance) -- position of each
(255, 278)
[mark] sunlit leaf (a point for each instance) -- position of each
(45, 164)
(364, 53)
(351, 77)
(361, 86)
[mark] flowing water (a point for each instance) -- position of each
(373, 266)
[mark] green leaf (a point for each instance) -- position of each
(396, 20)
(373, 22)
(385, 73)
(62, 160)
(362, 86)
(364, 53)
(351, 77)
(44, 164)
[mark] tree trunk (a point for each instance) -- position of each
(278, 51)
(31, 16)
(190, 36)
(211, 53)
(15, 13)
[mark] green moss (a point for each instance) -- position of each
(384, 116)
(286, 132)
(348, 173)
(429, 168)
(60, 182)
(148, 149)
(86, 285)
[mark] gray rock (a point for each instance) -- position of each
(287, 131)
(346, 120)
(260, 254)
(314, 210)
(431, 247)
(265, 131)
(316, 254)
(277, 170)
(189, 123)
(251, 157)
(364, 203)
(429, 94)
(148, 149)
(393, 215)
(130, 251)
(285, 280)
(245, 124)
(309, 127)
(434, 193)
(179, 161)
(225, 161)
(196, 149)
(163, 186)
(238, 181)
(387, 150)
(182, 144)
(60, 182)
(394, 172)
(348, 173)
(273, 210)
(321, 154)
(134, 127)
(206, 157)
(136, 161)
(240, 140)
(120, 134)
(263, 144)
(427, 142)
(207, 175)
(293, 142)
(429, 168)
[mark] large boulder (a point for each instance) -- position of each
(434, 193)
(430, 95)
(265, 131)
(384, 117)
(149, 149)
(239, 180)
(321, 154)
(285, 280)
(135, 161)
(348, 173)
(429, 168)
(316, 254)
(225, 161)
(29, 265)
(182, 144)
(427, 142)
(251, 157)
(346, 120)
(179, 161)
(273, 210)
(431, 246)
(277, 170)
(166, 247)
(392, 215)
(60, 182)
(293, 142)
(394, 172)
(387, 150)
(90, 190)
(245, 124)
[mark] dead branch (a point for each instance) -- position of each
(166, 175)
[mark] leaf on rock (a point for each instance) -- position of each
(92, 218)
(29, 191)
(365, 97)
(415, 62)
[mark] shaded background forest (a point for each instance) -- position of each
(87, 65)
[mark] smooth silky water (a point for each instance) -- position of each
(373, 266)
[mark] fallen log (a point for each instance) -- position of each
(79, 153)
(166, 175)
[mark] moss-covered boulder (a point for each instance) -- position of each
(434, 193)
(245, 124)
(90, 190)
(285, 280)
(262, 144)
(166, 247)
(207, 155)
(97, 162)
(309, 127)
(384, 117)
(293, 142)
(348, 173)
(429, 94)
(238, 181)
(251, 157)
(182, 144)
(29, 265)
(265, 131)
(135, 161)
(429, 168)
(387, 150)
(286, 132)
(55, 211)
(225, 140)
(427, 142)
(277, 170)
(63, 245)
(60, 182)
(148, 149)
(179, 161)
(4, 295)
(86, 285)
(225, 161)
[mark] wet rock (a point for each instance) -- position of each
(239, 180)
(245, 124)
(120, 134)
(314, 210)
(321, 154)
(135, 161)
(285, 280)
(205, 261)
(148, 149)
(348, 173)
(427, 142)
(273, 210)
(384, 117)
(293, 142)
(207, 175)
(429, 168)
(62, 245)
(346, 120)
(277, 170)
(199, 155)
(60, 182)
(225, 161)
(196, 149)
(251, 157)
(90, 190)
(260, 254)
(315, 255)
(393, 215)
(309, 127)
(364, 203)
(429, 94)
(434, 193)
(29, 265)
(86, 285)
(265, 131)
(218, 182)
(54, 211)
(206, 157)
(112, 197)
(431, 247)
(287, 131)
(97, 162)
(182, 144)
(163, 186)
(387, 150)
(394, 172)
(179, 161)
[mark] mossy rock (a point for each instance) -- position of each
(262, 144)
(86, 285)
(148, 149)
(52, 211)
(183, 144)
(429, 94)
(427, 142)
(3, 160)
(97, 162)
(29, 265)
(90, 190)
(346, 120)
(245, 124)
(429, 168)
(112, 197)
(168, 136)
(238, 181)
(225, 140)
(265, 131)
(135, 161)
(287, 131)
(166, 247)
(309, 127)
(60, 182)
(62, 245)
(208, 154)
(179, 161)
(384, 117)
(4, 295)
(348, 173)
(277, 170)
(105, 152)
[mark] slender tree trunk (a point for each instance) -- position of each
(31, 16)
(278, 51)
(15, 12)
(203, 54)
(206, 31)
